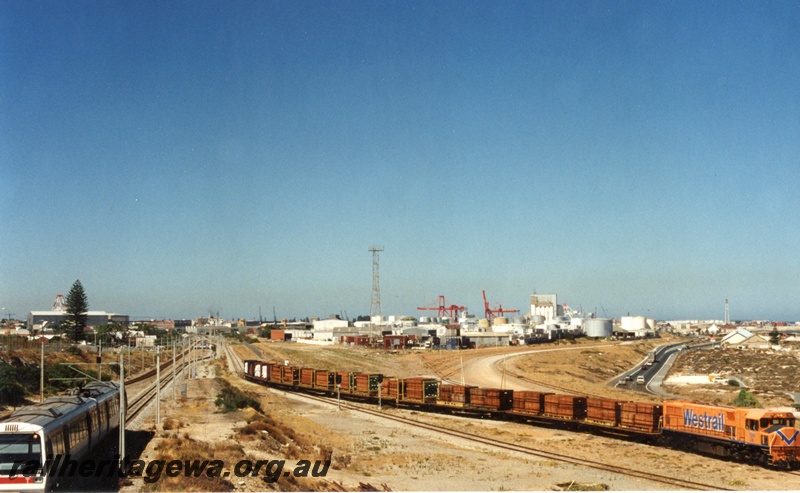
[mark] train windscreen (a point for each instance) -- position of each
(18, 447)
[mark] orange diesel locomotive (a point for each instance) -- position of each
(769, 437)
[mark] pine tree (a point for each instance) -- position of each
(775, 337)
(77, 308)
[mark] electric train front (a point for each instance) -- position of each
(22, 449)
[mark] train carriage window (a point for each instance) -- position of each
(72, 435)
(95, 424)
(104, 414)
(57, 442)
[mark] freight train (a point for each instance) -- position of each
(67, 426)
(760, 436)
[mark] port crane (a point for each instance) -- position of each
(442, 309)
(498, 312)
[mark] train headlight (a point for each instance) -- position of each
(35, 436)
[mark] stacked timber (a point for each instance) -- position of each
(345, 380)
(390, 387)
(640, 416)
(324, 379)
(307, 376)
(367, 383)
(529, 401)
(600, 410)
(565, 406)
(275, 373)
(420, 389)
(454, 395)
(498, 399)
(290, 375)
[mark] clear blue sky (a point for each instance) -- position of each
(186, 157)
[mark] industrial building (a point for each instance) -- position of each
(95, 318)
(545, 307)
(636, 326)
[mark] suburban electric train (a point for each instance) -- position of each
(69, 426)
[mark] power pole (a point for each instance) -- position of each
(174, 381)
(41, 372)
(375, 309)
(123, 409)
(158, 386)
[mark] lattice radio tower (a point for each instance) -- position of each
(375, 309)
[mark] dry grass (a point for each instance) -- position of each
(768, 375)
(184, 448)
(171, 424)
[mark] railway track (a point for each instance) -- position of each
(139, 403)
(152, 373)
(234, 358)
(550, 386)
(542, 454)
(450, 372)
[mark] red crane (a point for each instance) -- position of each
(442, 309)
(490, 314)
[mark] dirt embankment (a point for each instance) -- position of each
(588, 370)
(768, 374)
(195, 428)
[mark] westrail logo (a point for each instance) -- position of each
(704, 421)
(786, 439)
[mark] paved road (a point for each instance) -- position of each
(488, 371)
(653, 374)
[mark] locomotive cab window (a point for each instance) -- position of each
(764, 423)
(782, 421)
(751, 424)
